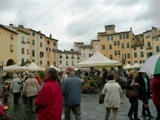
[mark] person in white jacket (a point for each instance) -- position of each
(112, 91)
(15, 88)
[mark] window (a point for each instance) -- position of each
(66, 63)
(118, 42)
(156, 39)
(149, 54)
(54, 63)
(122, 45)
(135, 55)
(110, 47)
(53, 50)
(102, 38)
(84, 55)
(28, 51)
(33, 42)
(33, 34)
(48, 42)
(135, 61)
(116, 36)
(41, 54)
(54, 43)
(11, 47)
(40, 62)
(123, 56)
(114, 42)
(134, 48)
(138, 39)
(60, 62)
(128, 55)
(47, 49)
(127, 35)
(103, 47)
(28, 40)
(11, 36)
(141, 47)
(147, 34)
(115, 52)
(72, 63)
(33, 53)
(110, 38)
(90, 55)
(129, 62)
(23, 39)
(40, 44)
(109, 32)
(119, 52)
(122, 36)
(41, 36)
(33, 60)
(22, 60)
(148, 44)
(142, 40)
(96, 47)
(157, 48)
(142, 54)
(111, 57)
(22, 50)
(48, 63)
(127, 45)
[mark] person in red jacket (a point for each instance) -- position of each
(155, 87)
(50, 97)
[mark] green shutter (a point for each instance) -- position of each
(123, 36)
(120, 37)
(147, 54)
(112, 38)
(108, 38)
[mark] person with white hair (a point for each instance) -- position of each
(64, 76)
(31, 90)
(71, 88)
(15, 88)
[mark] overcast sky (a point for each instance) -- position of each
(80, 20)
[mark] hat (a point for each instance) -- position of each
(70, 69)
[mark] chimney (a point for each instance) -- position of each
(39, 31)
(11, 25)
(71, 49)
(20, 26)
(131, 29)
(50, 36)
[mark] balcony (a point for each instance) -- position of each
(11, 50)
(137, 45)
(28, 42)
(22, 52)
(23, 42)
(41, 55)
(148, 47)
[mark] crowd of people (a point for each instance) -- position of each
(50, 98)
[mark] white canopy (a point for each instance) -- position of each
(34, 67)
(98, 60)
(128, 66)
(14, 68)
(54, 68)
(136, 65)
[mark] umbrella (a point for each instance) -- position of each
(152, 65)
(136, 65)
(128, 66)
(13, 68)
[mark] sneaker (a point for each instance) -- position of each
(130, 117)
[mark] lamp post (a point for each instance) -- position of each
(1, 76)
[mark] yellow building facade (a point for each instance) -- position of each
(8, 46)
(51, 51)
(116, 45)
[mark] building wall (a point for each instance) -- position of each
(85, 53)
(5, 42)
(95, 45)
(23, 48)
(111, 45)
(63, 61)
(51, 52)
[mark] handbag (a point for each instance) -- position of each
(132, 93)
(101, 98)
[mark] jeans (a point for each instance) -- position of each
(76, 111)
(158, 112)
(115, 113)
(134, 107)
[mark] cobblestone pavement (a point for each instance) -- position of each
(91, 109)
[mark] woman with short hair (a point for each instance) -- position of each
(30, 89)
(112, 91)
(134, 101)
(50, 98)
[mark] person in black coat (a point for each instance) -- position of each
(131, 84)
(144, 93)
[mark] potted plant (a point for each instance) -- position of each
(67, 57)
(72, 57)
(3, 109)
(60, 57)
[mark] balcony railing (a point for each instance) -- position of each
(148, 47)
(137, 45)
(23, 42)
